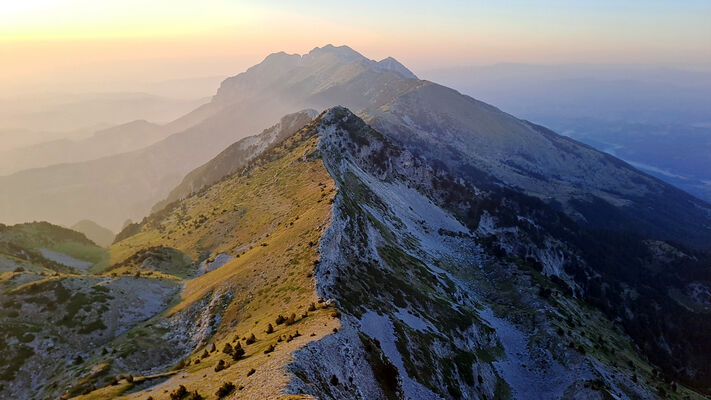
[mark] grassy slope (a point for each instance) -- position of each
(270, 218)
(235, 214)
(37, 235)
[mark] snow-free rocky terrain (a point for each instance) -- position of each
(424, 246)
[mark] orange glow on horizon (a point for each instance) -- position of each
(79, 40)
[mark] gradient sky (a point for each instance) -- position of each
(103, 44)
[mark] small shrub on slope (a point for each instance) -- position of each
(225, 389)
(237, 352)
(251, 339)
(227, 349)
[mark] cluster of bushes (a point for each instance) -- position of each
(286, 321)
(157, 253)
(235, 351)
(288, 338)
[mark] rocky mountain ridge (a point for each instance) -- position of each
(434, 287)
(416, 248)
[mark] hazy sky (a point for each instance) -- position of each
(104, 44)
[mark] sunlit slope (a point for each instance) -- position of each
(268, 219)
(235, 157)
(239, 212)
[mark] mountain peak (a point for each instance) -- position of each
(335, 111)
(279, 58)
(348, 55)
(391, 64)
(311, 73)
(344, 53)
(341, 117)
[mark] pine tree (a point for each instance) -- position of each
(227, 349)
(251, 339)
(195, 396)
(179, 393)
(220, 366)
(225, 389)
(270, 328)
(238, 352)
(181, 365)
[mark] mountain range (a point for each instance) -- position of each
(406, 242)
(472, 137)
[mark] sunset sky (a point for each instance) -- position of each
(86, 42)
